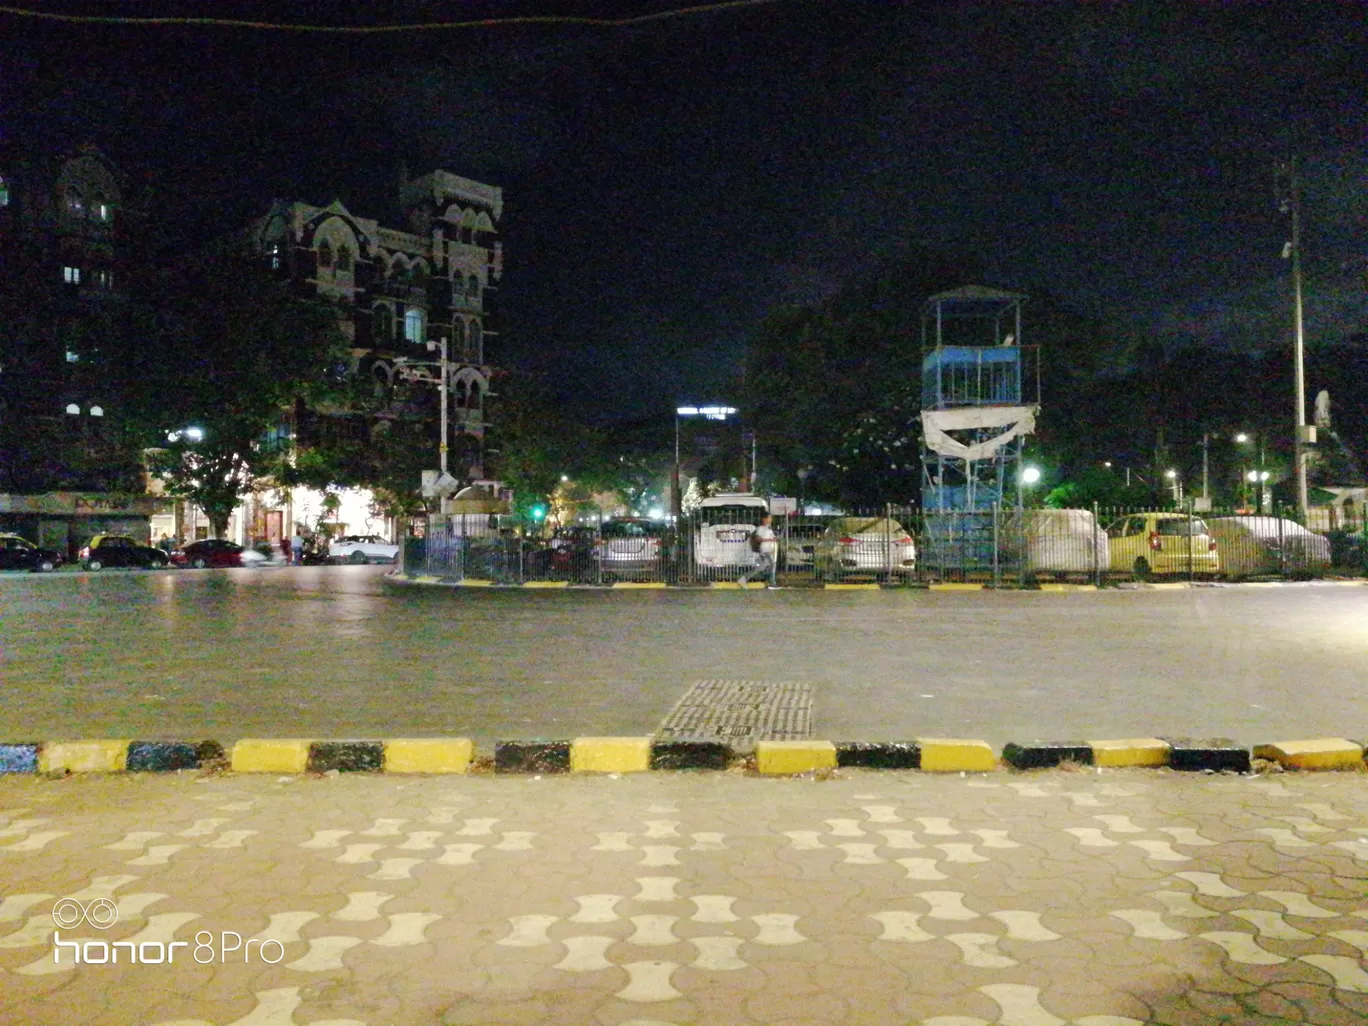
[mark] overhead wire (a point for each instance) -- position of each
(529, 19)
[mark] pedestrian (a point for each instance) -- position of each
(164, 543)
(285, 549)
(765, 544)
(297, 547)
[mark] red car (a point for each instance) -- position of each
(215, 552)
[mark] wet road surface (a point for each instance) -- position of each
(336, 652)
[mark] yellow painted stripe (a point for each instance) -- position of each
(83, 757)
(1130, 751)
(471, 582)
(610, 754)
(956, 755)
(546, 584)
(427, 579)
(956, 586)
(1167, 587)
(1324, 753)
(638, 585)
(281, 755)
(1068, 587)
(851, 587)
(733, 585)
(429, 755)
(785, 758)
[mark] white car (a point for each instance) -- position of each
(357, 548)
(864, 545)
(722, 540)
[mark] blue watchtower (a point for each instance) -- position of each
(980, 396)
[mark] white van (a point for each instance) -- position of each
(721, 540)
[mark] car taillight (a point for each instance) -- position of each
(1154, 540)
(85, 552)
(849, 541)
(905, 539)
(1211, 547)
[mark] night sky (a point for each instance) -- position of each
(667, 184)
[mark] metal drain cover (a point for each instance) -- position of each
(741, 712)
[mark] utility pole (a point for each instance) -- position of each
(1290, 203)
(1206, 488)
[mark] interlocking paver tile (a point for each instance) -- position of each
(697, 899)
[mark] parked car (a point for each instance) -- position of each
(630, 547)
(109, 550)
(797, 541)
(722, 537)
(1063, 542)
(1162, 543)
(18, 553)
(864, 545)
(359, 548)
(1252, 546)
(216, 552)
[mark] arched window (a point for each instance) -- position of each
(473, 287)
(382, 324)
(476, 342)
(274, 256)
(462, 394)
(458, 338)
(475, 395)
(413, 325)
(344, 259)
(325, 254)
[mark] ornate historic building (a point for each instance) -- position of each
(397, 290)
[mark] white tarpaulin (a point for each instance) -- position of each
(936, 425)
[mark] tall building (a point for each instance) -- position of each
(396, 290)
(66, 470)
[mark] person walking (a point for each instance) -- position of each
(285, 549)
(765, 544)
(297, 548)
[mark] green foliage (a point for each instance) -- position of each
(224, 347)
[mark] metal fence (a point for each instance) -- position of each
(897, 545)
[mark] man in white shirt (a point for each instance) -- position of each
(765, 544)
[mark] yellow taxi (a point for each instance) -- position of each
(1145, 544)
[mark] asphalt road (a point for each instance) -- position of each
(335, 652)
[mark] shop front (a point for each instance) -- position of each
(66, 521)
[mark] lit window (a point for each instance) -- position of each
(72, 357)
(104, 212)
(325, 254)
(275, 256)
(71, 275)
(105, 279)
(75, 204)
(413, 325)
(4, 192)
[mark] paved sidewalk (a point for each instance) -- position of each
(1100, 899)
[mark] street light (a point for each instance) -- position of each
(708, 412)
(1030, 475)
(1289, 202)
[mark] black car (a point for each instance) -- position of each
(18, 553)
(120, 550)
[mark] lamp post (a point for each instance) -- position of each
(709, 412)
(803, 473)
(1290, 203)
(414, 370)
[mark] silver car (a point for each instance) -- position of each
(864, 546)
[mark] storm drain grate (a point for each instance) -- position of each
(741, 711)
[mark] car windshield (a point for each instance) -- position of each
(867, 526)
(629, 529)
(1181, 527)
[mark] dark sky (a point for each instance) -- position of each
(668, 183)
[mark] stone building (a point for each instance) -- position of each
(396, 290)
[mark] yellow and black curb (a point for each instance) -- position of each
(642, 754)
(1049, 587)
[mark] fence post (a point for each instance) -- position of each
(888, 541)
(997, 538)
(1097, 537)
(1282, 553)
(1189, 541)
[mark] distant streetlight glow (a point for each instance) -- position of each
(1242, 438)
(1030, 475)
(1170, 474)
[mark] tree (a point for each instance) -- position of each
(223, 351)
